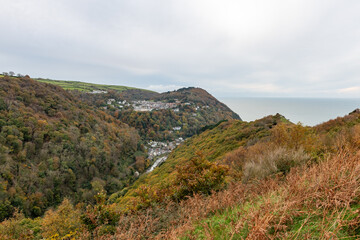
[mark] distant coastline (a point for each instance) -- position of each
(308, 111)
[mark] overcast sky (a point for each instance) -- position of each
(304, 48)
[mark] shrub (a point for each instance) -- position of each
(147, 196)
(19, 227)
(101, 218)
(295, 137)
(6, 209)
(64, 221)
(235, 160)
(271, 162)
(198, 176)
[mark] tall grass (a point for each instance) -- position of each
(279, 160)
(318, 202)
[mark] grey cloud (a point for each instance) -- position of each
(278, 48)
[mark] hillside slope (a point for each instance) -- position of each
(54, 146)
(284, 181)
(316, 200)
(213, 145)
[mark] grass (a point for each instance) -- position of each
(219, 226)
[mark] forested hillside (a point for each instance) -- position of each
(54, 146)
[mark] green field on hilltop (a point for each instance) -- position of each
(86, 87)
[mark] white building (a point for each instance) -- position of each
(176, 128)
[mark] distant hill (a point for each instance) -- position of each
(195, 108)
(200, 96)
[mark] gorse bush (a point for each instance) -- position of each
(295, 136)
(279, 160)
(198, 176)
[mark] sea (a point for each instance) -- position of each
(308, 111)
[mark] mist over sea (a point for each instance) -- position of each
(308, 111)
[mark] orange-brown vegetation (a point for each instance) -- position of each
(325, 195)
(318, 197)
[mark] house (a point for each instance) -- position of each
(97, 92)
(110, 101)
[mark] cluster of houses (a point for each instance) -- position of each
(156, 149)
(97, 92)
(160, 151)
(145, 106)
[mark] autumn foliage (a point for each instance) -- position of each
(267, 179)
(53, 146)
